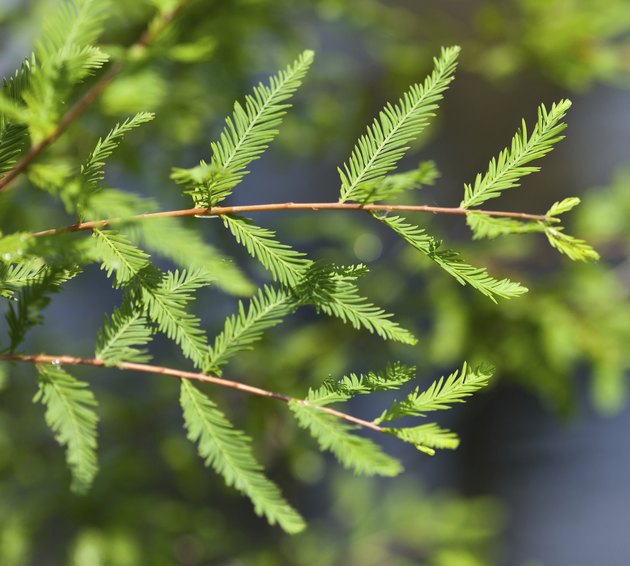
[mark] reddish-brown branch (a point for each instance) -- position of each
(161, 370)
(86, 100)
(314, 206)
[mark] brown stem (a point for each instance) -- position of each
(161, 370)
(314, 206)
(86, 100)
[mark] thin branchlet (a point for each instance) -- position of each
(312, 206)
(180, 374)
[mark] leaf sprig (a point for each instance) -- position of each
(246, 135)
(378, 151)
(228, 451)
(71, 416)
(506, 171)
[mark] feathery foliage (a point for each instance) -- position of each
(169, 238)
(77, 23)
(12, 143)
(70, 415)
(353, 452)
(119, 256)
(574, 248)
(506, 171)
(378, 151)
(228, 451)
(13, 131)
(66, 55)
(14, 86)
(121, 334)
(266, 309)
(286, 265)
(426, 437)
(247, 133)
(363, 456)
(10, 110)
(163, 296)
(449, 261)
(394, 376)
(565, 205)
(14, 276)
(92, 171)
(332, 290)
(441, 394)
(484, 226)
(166, 304)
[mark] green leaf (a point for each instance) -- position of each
(78, 63)
(378, 151)
(76, 23)
(441, 395)
(229, 453)
(119, 256)
(558, 208)
(118, 339)
(170, 238)
(62, 249)
(353, 452)
(166, 303)
(506, 171)
(333, 292)
(266, 309)
(92, 170)
(11, 112)
(70, 415)
(14, 116)
(12, 277)
(165, 296)
(575, 249)
(426, 437)
(14, 86)
(66, 55)
(183, 282)
(449, 261)
(13, 138)
(246, 135)
(484, 226)
(284, 263)
(331, 391)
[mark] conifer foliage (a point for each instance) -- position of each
(33, 265)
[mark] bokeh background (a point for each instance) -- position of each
(542, 474)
